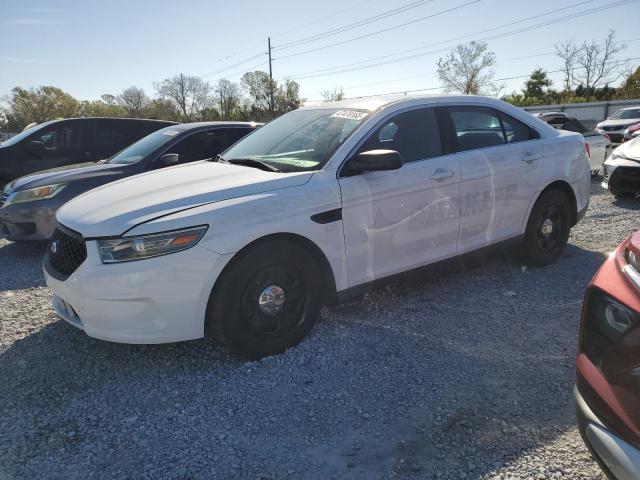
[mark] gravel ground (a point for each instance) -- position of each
(463, 372)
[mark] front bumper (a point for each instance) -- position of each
(155, 300)
(618, 459)
(30, 221)
(616, 136)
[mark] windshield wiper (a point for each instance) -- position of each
(251, 162)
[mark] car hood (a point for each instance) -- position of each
(113, 209)
(618, 123)
(630, 149)
(67, 174)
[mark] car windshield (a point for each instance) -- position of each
(145, 146)
(22, 135)
(300, 140)
(626, 114)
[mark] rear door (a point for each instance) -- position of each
(500, 168)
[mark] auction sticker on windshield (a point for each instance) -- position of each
(349, 114)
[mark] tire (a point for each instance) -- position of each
(236, 319)
(621, 193)
(547, 229)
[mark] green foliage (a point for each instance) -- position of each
(630, 88)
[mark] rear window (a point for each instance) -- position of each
(476, 127)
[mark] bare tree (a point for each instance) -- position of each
(134, 100)
(467, 69)
(568, 53)
(598, 63)
(288, 96)
(230, 98)
(190, 94)
(332, 95)
(591, 64)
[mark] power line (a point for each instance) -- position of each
(351, 26)
(235, 65)
(411, 22)
(402, 52)
(404, 92)
(351, 67)
(322, 19)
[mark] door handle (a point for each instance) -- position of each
(529, 158)
(441, 174)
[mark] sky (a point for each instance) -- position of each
(89, 48)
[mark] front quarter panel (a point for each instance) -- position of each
(235, 223)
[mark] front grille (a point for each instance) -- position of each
(611, 129)
(65, 253)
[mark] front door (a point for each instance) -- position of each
(402, 219)
(61, 144)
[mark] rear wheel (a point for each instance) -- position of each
(267, 301)
(547, 229)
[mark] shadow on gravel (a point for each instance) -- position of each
(457, 369)
(20, 265)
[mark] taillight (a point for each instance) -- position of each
(588, 150)
(604, 321)
(634, 128)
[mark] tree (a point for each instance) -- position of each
(288, 96)
(259, 88)
(332, 95)
(230, 98)
(190, 94)
(568, 53)
(630, 88)
(39, 105)
(162, 109)
(591, 64)
(134, 101)
(537, 86)
(467, 69)
(100, 108)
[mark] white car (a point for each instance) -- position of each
(313, 207)
(622, 170)
(616, 124)
(598, 144)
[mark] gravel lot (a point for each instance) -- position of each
(463, 372)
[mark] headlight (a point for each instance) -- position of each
(40, 193)
(605, 322)
(145, 246)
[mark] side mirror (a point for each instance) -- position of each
(166, 160)
(35, 146)
(373, 161)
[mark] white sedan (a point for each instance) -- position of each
(598, 144)
(315, 206)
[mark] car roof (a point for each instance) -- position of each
(126, 119)
(544, 114)
(377, 102)
(194, 125)
(635, 107)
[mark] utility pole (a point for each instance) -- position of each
(221, 105)
(270, 78)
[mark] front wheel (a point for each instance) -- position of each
(547, 230)
(266, 301)
(621, 193)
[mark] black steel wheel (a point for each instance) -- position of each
(547, 229)
(266, 301)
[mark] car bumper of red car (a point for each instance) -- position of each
(619, 459)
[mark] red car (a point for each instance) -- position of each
(607, 392)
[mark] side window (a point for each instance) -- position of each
(109, 137)
(476, 127)
(65, 139)
(192, 148)
(415, 134)
(515, 130)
